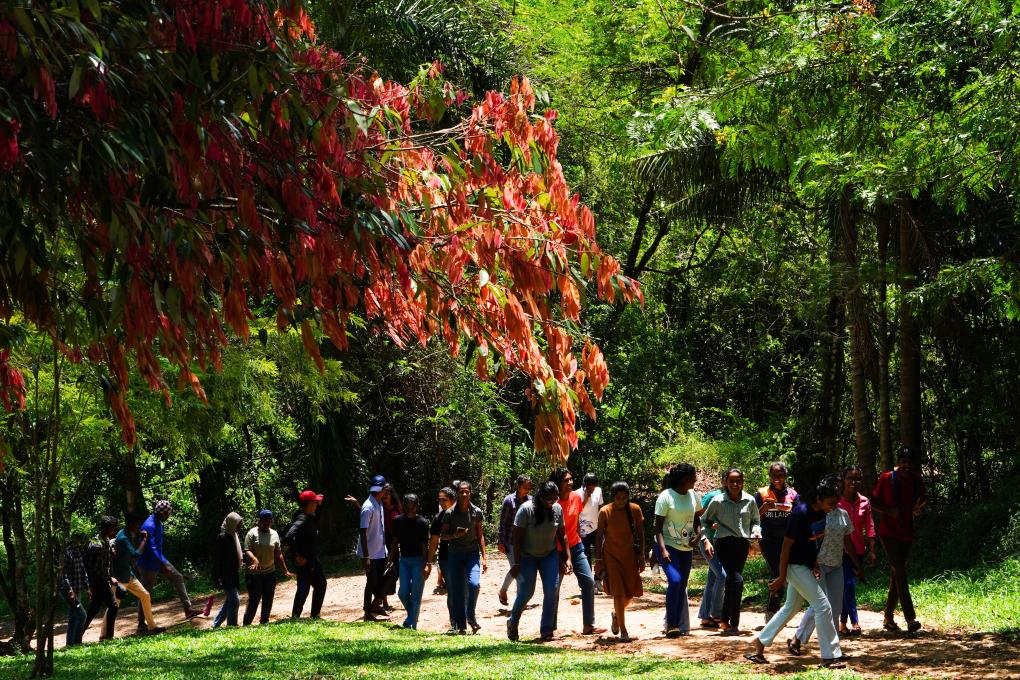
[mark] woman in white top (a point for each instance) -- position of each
(676, 529)
(590, 494)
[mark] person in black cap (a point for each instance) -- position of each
(302, 539)
(372, 549)
(263, 551)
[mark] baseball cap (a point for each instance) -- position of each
(376, 484)
(265, 514)
(309, 495)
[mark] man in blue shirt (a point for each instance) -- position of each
(372, 548)
(153, 563)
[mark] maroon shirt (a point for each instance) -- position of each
(901, 490)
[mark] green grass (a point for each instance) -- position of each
(985, 598)
(336, 650)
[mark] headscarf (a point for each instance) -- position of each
(231, 523)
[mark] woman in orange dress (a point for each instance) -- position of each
(619, 546)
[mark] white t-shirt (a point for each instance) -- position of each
(589, 510)
(678, 510)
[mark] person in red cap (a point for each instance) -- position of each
(302, 539)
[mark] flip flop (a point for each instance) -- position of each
(756, 658)
(833, 663)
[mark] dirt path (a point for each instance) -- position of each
(930, 653)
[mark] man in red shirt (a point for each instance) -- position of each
(898, 497)
(571, 504)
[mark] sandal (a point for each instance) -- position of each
(856, 630)
(833, 663)
(793, 645)
(756, 658)
(710, 624)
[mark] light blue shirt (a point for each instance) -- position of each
(375, 529)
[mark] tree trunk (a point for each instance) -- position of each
(13, 582)
(910, 336)
(832, 376)
(134, 494)
(884, 418)
(861, 341)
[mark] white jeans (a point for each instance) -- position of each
(832, 584)
(802, 585)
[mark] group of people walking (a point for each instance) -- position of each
(117, 561)
(815, 545)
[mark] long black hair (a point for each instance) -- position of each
(542, 513)
(679, 473)
(828, 487)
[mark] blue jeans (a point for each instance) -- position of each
(715, 585)
(850, 590)
(412, 583)
(75, 619)
(228, 611)
(678, 571)
(463, 579)
(549, 569)
(586, 581)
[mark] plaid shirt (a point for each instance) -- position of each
(506, 518)
(99, 558)
(74, 575)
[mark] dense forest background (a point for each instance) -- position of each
(819, 200)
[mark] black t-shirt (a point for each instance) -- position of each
(412, 535)
(807, 529)
(436, 529)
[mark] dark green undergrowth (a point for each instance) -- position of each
(326, 649)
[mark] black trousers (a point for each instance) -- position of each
(898, 553)
(375, 583)
(309, 577)
(732, 552)
(261, 588)
(771, 550)
(102, 598)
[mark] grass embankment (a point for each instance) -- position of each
(326, 649)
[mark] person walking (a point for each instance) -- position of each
(676, 530)
(127, 548)
(302, 538)
(899, 497)
(774, 502)
(74, 586)
(834, 547)
(462, 529)
(392, 509)
(590, 494)
(710, 611)
(537, 535)
(858, 507)
(571, 506)
(411, 543)
(508, 512)
(798, 564)
(153, 562)
(735, 515)
(438, 549)
(263, 551)
(227, 561)
(372, 550)
(619, 553)
(99, 566)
